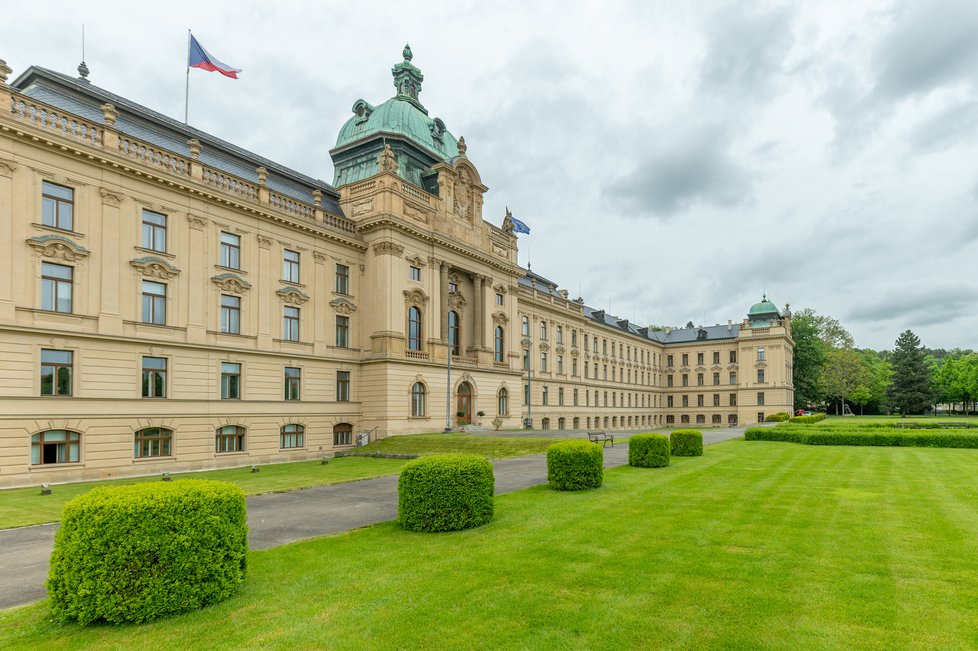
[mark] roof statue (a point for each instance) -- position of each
(388, 162)
(462, 146)
(508, 221)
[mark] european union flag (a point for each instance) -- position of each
(520, 227)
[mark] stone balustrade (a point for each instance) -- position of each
(292, 206)
(154, 156)
(47, 117)
(230, 184)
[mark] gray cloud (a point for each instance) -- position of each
(685, 166)
(918, 304)
(953, 125)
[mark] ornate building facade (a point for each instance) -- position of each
(170, 301)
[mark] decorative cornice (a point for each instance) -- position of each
(343, 306)
(292, 295)
(388, 247)
(154, 267)
(415, 297)
(197, 222)
(111, 197)
(416, 260)
(231, 283)
(57, 246)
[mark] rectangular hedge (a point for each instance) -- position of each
(808, 420)
(874, 437)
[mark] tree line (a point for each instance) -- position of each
(831, 372)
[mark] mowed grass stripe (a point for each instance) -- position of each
(754, 545)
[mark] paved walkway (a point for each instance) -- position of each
(280, 518)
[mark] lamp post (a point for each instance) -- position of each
(448, 391)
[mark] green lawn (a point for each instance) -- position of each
(25, 506)
(494, 447)
(752, 546)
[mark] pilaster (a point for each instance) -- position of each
(196, 273)
(109, 317)
(7, 170)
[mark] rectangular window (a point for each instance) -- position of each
(760, 398)
(56, 372)
(733, 356)
(526, 360)
(699, 359)
(574, 338)
(699, 400)
(499, 299)
(760, 376)
(733, 399)
(574, 366)
(230, 314)
(560, 364)
(293, 383)
(669, 401)
(342, 386)
(57, 206)
(56, 287)
(716, 378)
(230, 251)
(716, 357)
(526, 394)
(342, 331)
(575, 397)
(560, 396)
(685, 401)
(716, 399)
(154, 377)
(154, 303)
(685, 379)
(669, 380)
(685, 359)
(543, 362)
(545, 396)
(290, 266)
(526, 326)
(154, 231)
(604, 347)
(543, 331)
(733, 377)
(414, 273)
(699, 379)
(668, 360)
(342, 279)
(560, 334)
(760, 354)
(290, 323)
(230, 381)
(453, 288)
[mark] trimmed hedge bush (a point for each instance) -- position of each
(575, 465)
(871, 436)
(686, 443)
(146, 551)
(648, 450)
(445, 492)
(779, 417)
(808, 420)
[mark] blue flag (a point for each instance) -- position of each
(520, 227)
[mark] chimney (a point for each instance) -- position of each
(668, 329)
(729, 325)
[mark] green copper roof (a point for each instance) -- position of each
(402, 115)
(763, 308)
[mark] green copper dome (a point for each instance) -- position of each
(417, 140)
(765, 307)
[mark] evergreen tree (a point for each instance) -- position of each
(911, 391)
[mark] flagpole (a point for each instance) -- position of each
(186, 94)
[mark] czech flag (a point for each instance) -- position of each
(201, 58)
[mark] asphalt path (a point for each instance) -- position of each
(280, 518)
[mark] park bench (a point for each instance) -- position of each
(601, 437)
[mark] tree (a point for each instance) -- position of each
(809, 357)
(911, 391)
(880, 372)
(843, 375)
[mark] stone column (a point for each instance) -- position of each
(477, 312)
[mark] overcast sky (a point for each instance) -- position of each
(674, 160)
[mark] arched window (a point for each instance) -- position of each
(152, 442)
(229, 438)
(417, 399)
(292, 436)
(343, 434)
(502, 402)
(500, 342)
(454, 333)
(55, 446)
(414, 328)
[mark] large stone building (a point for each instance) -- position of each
(169, 301)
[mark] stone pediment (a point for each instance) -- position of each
(292, 295)
(700, 368)
(415, 297)
(57, 246)
(500, 319)
(154, 267)
(231, 283)
(716, 367)
(343, 306)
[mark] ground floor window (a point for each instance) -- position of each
(560, 423)
(700, 419)
(577, 423)
(152, 442)
(670, 420)
(545, 423)
(684, 419)
(717, 419)
(343, 434)
(229, 438)
(55, 446)
(291, 436)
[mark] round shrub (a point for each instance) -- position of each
(779, 417)
(686, 443)
(575, 465)
(146, 551)
(445, 492)
(648, 450)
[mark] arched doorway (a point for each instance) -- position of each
(464, 403)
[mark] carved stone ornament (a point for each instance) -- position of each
(414, 213)
(110, 197)
(197, 222)
(500, 289)
(320, 258)
(525, 342)
(388, 162)
(462, 147)
(5, 71)
(7, 166)
(508, 222)
(463, 193)
(415, 260)
(574, 352)
(264, 242)
(343, 306)
(363, 207)
(456, 302)
(154, 267)
(231, 283)
(544, 345)
(559, 349)
(292, 295)
(388, 248)
(500, 319)
(57, 246)
(415, 297)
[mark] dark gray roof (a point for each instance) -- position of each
(674, 336)
(85, 100)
